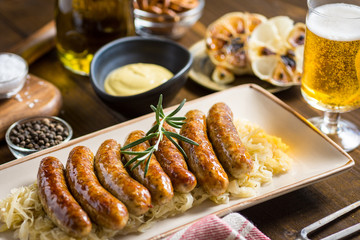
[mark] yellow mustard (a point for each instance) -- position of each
(135, 78)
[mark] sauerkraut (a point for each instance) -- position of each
(269, 157)
(22, 212)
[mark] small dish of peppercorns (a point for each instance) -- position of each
(37, 133)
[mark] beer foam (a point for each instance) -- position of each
(336, 21)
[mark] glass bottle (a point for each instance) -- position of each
(83, 26)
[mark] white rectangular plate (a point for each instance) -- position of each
(315, 156)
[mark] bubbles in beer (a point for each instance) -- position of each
(331, 77)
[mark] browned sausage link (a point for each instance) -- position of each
(226, 141)
(57, 201)
(174, 164)
(102, 207)
(114, 177)
(156, 180)
(202, 159)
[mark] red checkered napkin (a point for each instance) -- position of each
(232, 226)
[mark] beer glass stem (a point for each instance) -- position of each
(341, 131)
(330, 123)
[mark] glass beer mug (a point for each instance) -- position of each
(331, 77)
(83, 26)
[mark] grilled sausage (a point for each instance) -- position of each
(156, 180)
(202, 159)
(57, 201)
(174, 164)
(114, 177)
(226, 141)
(102, 207)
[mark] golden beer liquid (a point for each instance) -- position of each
(331, 77)
(83, 26)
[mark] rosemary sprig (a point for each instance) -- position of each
(159, 132)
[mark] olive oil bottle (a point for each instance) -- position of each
(83, 26)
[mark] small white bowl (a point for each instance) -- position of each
(13, 72)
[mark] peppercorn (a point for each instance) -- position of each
(38, 134)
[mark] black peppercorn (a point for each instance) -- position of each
(38, 134)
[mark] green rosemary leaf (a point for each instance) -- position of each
(133, 153)
(137, 142)
(148, 152)
(153, 107)
(133, 144)
(153, 129)
(180, 137)
(157, 116)
(177, 146)
(174, 125)
(159, 110)
(148, 163)
(131, 161)
(179, 123)
(152, 135)
(137, 164)
(175, 118)
(177, 109)
(160, 101)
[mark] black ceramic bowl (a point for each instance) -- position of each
(163, 52)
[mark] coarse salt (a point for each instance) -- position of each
(11, 67)
(18, 97)
(31, 104)
(13, 72)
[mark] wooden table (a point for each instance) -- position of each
(279, 218)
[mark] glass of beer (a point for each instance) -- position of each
(83, 26)
(331, 77)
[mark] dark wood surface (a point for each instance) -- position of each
(279, 218)
(38, 97)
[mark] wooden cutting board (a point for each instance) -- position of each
(37, 98)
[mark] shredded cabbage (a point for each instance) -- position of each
(22, 212)
(269, 157)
